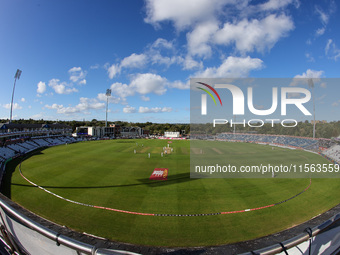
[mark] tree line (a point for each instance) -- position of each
(305, 129)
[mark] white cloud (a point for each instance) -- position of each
(41, 87)
(133, 61)
(182, 13)
(54, 106)
(179, 85)
(200, 36)
(277, 4)
(162, 43)
(331, 50)
(142, 84)
(85, 104)
(113, 70)
(23, 99)
(305, 78)
(16, 106)
(61, 88)
(310, 74)
(324, 17)
(320, 31)
(82, 82)
(232, 67)
(96, 66)
(145, 98)
(163, 52)
(189, 63)
(122, 90)
(74, 69)
(154, 109)
(203, 20)
(112, 99)
(328, 45)
(149, 83)
(129, 109)
(39, 116)
(77, 75)
(255, 34)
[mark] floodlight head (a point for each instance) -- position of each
(17, 74)
(108, 92)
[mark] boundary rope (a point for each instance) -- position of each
(157, 214)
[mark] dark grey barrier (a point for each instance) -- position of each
(28, 237)
(293, 242)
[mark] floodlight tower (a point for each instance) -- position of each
(108, 94)
(311, 85)
(17, 76)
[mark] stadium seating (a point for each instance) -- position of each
(15, 149)
(291, 141)
(6, 152)
(333, 153)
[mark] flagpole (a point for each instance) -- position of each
(17, 76)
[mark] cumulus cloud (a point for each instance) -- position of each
(85, 104)
(129, 109)
(112, 99)
(41, 87)
(154, 109)
(310, 74)
(189, 63)
(256, 34)
(209, 23)
(16, 106)
(132, 61)
(200, 36)
(183, 13)
(149, 83)
(145, 98)
(77, 75)
(277, 4)
(179, 85)
(141, 83)
(61, 88)
(306, 77)
(113, 70)
(232, 67)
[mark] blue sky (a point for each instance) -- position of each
(70, 52)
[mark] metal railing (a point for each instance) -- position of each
(25, 236)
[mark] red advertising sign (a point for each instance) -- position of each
(159, 174)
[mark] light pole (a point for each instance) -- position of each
(108, 94)
(17, 76)
(311, 85)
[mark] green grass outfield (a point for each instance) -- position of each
(109, 174)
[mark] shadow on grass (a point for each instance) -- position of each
(173, 179)
(10, 168)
